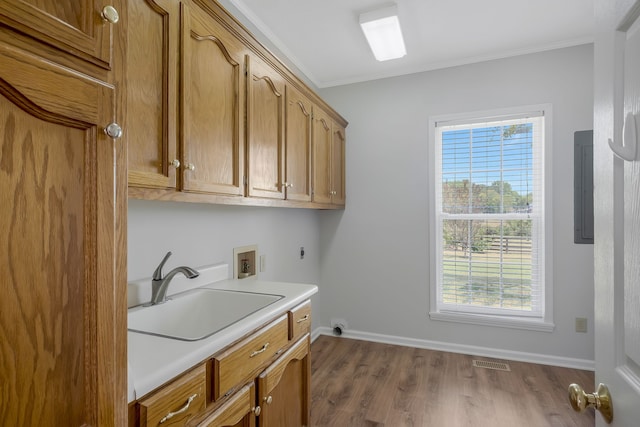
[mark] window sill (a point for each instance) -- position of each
(495, 321)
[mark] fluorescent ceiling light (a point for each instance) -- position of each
(381, 27)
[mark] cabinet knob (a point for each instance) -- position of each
(268, 399)
(190, 166)
(175, 163)
(110, 14)
(287, 185)
(113, 130)
(256, 411)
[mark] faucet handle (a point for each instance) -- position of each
(157, 274)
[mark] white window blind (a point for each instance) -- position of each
(489, 215)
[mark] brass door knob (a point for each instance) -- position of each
(600, 400)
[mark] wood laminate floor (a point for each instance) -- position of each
(361, 383)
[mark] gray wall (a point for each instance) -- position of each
(374, 256)
(200, 234)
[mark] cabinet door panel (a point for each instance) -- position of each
(61, 329)
(298, 146)
(265, 131)
(72, 26)
(284, 388)
(321, 157)
(212, 105)
(151, 92)
(338, 195)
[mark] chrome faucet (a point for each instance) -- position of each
(159, 284)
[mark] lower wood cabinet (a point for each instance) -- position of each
(284, 388)
(263, 380)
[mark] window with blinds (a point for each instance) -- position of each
(489, 215)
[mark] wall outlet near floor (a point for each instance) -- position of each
(581, 324)
(338, 326)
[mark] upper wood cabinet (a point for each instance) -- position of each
(151, 69)
(76, 27)
(265, 131)
(212, 104)
(212, 116)
(328, 159)
(338, 148)
(298, 146)
(63, 218)
(322, 143)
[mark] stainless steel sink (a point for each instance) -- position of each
(197, 314)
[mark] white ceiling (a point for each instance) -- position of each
(323, 39)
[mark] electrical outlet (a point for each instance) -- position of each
(581, 324)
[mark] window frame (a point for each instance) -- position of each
(544, 322)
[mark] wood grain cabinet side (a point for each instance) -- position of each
(63, 323)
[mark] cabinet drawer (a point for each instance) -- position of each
(300, 320)
(234, 410)
(177, 402)
(239, 362)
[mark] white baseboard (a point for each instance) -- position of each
(519, 356)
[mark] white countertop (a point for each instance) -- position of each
(155, 360)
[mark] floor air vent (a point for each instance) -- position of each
(498, 366)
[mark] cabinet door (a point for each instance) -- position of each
(284, 389)
(151, 67)
(62, 317)
(265, 131)
(298, 146)
(338, 142)
(321, 157)
(73, 26)
(212, 105)
(238, 411)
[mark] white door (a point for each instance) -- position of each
(617, 208)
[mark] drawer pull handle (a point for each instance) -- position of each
(179, 411)
(303, 319)
(262, 350)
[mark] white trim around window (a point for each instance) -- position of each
(454, 220)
